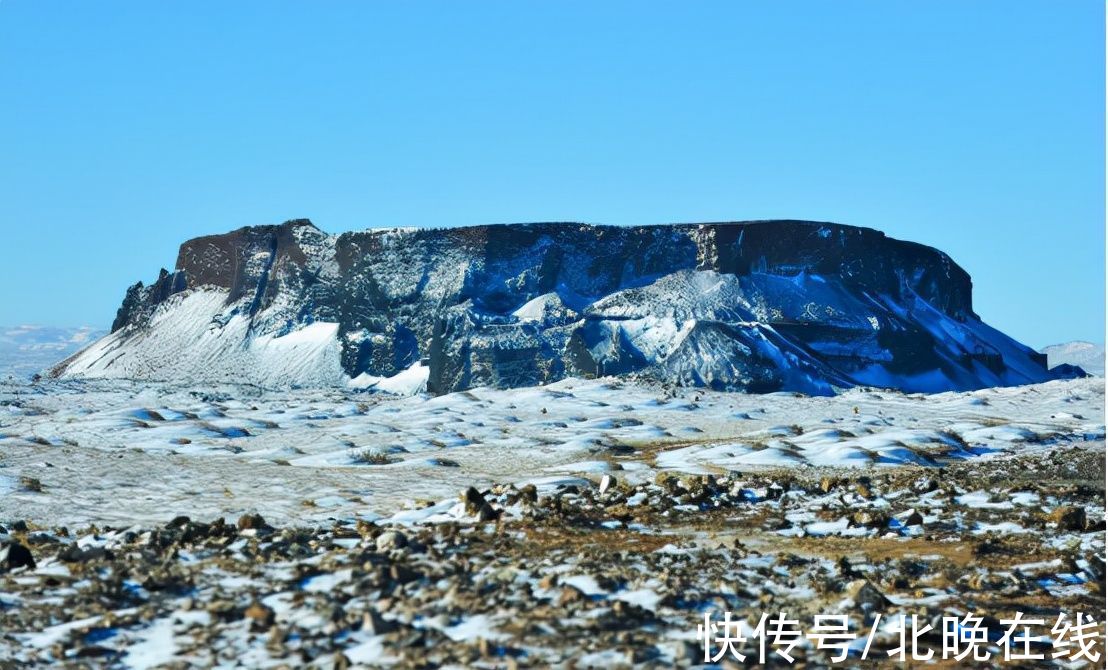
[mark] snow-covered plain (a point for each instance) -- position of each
(119, 452)
(622, 535)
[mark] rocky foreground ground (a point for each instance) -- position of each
(604, 574)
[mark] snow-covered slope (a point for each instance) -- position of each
(184, 340)
(1085, 355)
(757, 306)
(29, 349)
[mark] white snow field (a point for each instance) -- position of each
(561, 581)
(119, 452)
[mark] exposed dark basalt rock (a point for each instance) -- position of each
(758, 306)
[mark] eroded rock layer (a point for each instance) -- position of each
(756, 306)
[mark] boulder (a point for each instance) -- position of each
(15, 555)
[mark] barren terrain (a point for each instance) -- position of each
(583, 524)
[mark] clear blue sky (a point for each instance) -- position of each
(975, 127)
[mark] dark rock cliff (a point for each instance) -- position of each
(758, 306)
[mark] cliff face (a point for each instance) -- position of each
(757, 306)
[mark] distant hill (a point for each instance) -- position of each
(1086, 355)
(25, 350)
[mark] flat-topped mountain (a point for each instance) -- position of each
(757, 306)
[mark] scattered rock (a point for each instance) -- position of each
(866, 596)
(178, 522)
(15, 555)
(473, 500)
(224, 610)
(570, 594)
(1069, 517)
(391, 539)
(339, 582)
(529, 493)
(373, 624)
(252, 522)
(488, 513)
(261, 617)
(76, 554)
(869, 519)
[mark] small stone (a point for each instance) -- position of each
(985, 581)
(391, 539)
(866, 596)
(570, 594)
(14, 555)
(845, 569)
(373, 624)
(261, 617)
(484, 647)
(251, 522)
(488, 513)
(1069, 517)
(276, 639)
(607, 482)
(473, 500)
(548, 582)
(1096, 566)
(366, 528)
(914, 518)
(925, 485)
(529, 493)
(223, 610)
(336, 614)
(402, 574)
(75, 554)
(869, 519)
